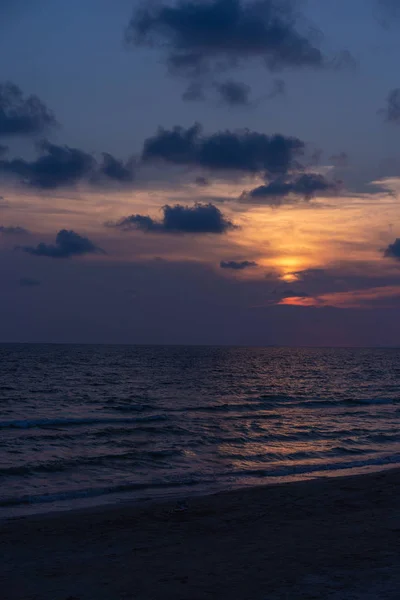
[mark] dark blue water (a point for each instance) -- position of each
(109, 423)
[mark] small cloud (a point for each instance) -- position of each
(393, 250)
(178, 219)
(238, 266)
(13, 230)
(22, 115)
(56, 166)
(234, 93)
(115, 169)
(28, 282)
(279, 191)
(241, 151)
(67, 245)
(59, 166)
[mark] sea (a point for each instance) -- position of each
(84, 425)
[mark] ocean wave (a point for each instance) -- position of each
(272, 402)
(304, 469)
(383, 437)
(135, 457)
(72, 422)
(297, 455)
(110, 432)
(347, 402)
(235, 477)
(157, 415)
(132, 408)
(143, 426)
(225, 407)
(100, 491)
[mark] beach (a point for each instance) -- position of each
(326, 538)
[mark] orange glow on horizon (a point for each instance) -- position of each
(343, 233)
(299, 301)
(350, 299)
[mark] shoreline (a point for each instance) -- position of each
(116, 500)
(331, 537)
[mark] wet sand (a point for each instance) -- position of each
(328, 539)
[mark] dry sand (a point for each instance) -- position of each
(330, 539)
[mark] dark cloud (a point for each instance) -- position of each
(197, 219)
(194, 93)
(393, 250)
(201, 36)
(115, 169)
(28, 282)
(343, 277)
(59, 166)
(179, 145)
(246, 151)
(3, 150)
(314, 274)
(22, 115)
(13, 230)
(237, 266)
(234, 93)
(67, 245)
(56, 166)
(391, 112)
(278, 192)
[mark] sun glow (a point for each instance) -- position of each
(290, 277)
(288, 266)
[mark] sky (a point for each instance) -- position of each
(200, 172)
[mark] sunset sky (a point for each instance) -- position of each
(200, 172)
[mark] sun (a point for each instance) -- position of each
(289, 277)
(289, 266)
